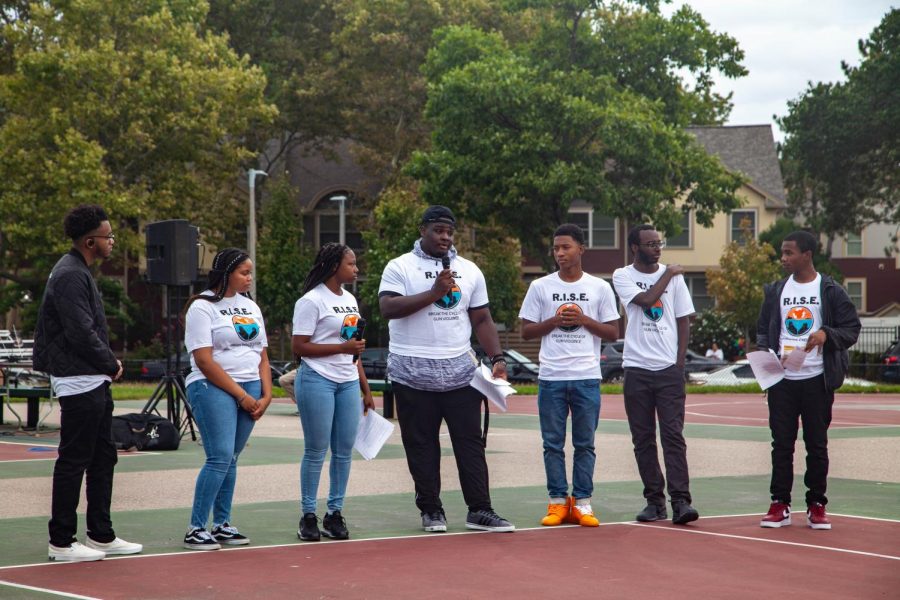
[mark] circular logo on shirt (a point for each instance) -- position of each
(450, 299)
(349, 326)
(799, 321)
(655, 312)
(569, 307)
(246, 327)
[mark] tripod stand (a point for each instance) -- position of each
(171, 385)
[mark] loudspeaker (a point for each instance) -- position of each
(172, 252)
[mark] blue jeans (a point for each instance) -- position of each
(224, 429)
(555, 399)
(329, 414)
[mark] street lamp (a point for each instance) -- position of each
(342, 229)
(251, 223)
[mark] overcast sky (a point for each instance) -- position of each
(786, 44)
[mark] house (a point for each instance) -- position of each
(870, 264)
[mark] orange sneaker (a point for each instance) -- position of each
(557, 514)
(583, 514)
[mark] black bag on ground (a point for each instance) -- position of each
(144, 432)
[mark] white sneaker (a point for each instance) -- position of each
(117, 546)
(75, 553)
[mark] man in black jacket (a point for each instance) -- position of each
(71, 343)
(804, 312)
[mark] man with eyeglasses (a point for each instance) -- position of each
(658, 309)
(71, 343)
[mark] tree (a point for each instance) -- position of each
(131, 105)
(516, 141)
(716, 326)
(842, 142)
(500, 259)
(775, 235)
(393, 232)
(738, 284)
(282, 259)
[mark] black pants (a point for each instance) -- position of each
(808, 400)
(85, 446)
(420, 414)
(649, 394)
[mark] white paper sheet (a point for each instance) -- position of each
(374, 430)
(794, 360)
(496, 390)
(767, 369)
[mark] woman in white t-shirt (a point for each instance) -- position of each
(326, 335)
(229, 388)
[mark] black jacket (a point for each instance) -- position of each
(71, 337)
(839, 320)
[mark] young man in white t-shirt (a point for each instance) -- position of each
(434, 298)
(804, 312)
(570, 311)
(658, 308)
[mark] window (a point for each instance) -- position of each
(856, 289)
(854, 244)
(324, 224)
(699, 294)
(599, 230)
(683, 239)
(742, 221)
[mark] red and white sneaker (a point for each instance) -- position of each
(816, 517)
(779, 515)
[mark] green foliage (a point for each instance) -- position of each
(282, 260)
(516, 141)
(716, 326)
(393, 232)
(738, 284)
(842, 147)
(500, 259)
(131, 105)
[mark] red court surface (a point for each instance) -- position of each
(715, 558)
(15, 451)
(850, 410)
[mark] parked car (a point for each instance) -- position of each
(611, 361)
(154, 369)
(891, 361)
(519, 368)
(697, 363)
(374, 362)
(740, 373)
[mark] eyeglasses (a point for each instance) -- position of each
(111, 237)
(654, 245)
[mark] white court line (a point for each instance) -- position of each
(423, 536)
(32, 460)
(27, 444)
(766, 540)
(46, 590)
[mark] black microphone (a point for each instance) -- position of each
(445, 261)
(358, 334)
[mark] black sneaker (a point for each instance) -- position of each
(309, 528)
(199, 539)
(683, 512)
(229, 536)
(652, 512)
(488, 520)
(335, 527)
(435, 521)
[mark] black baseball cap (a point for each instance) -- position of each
(438, 214)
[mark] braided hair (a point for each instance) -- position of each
(328, 260)
(223, 265)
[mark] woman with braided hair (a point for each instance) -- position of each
(229, 388)
(329, 381)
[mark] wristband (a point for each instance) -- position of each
(497, 359)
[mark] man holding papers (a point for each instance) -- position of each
(805, 312)
(570, 311)
(434, 298)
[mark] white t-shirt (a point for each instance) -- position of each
(233, 328)
(569, 353)
(651, 335)
(801, 315)
(328, 319)
(441, 329)
(76, 384)
(715, 354)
